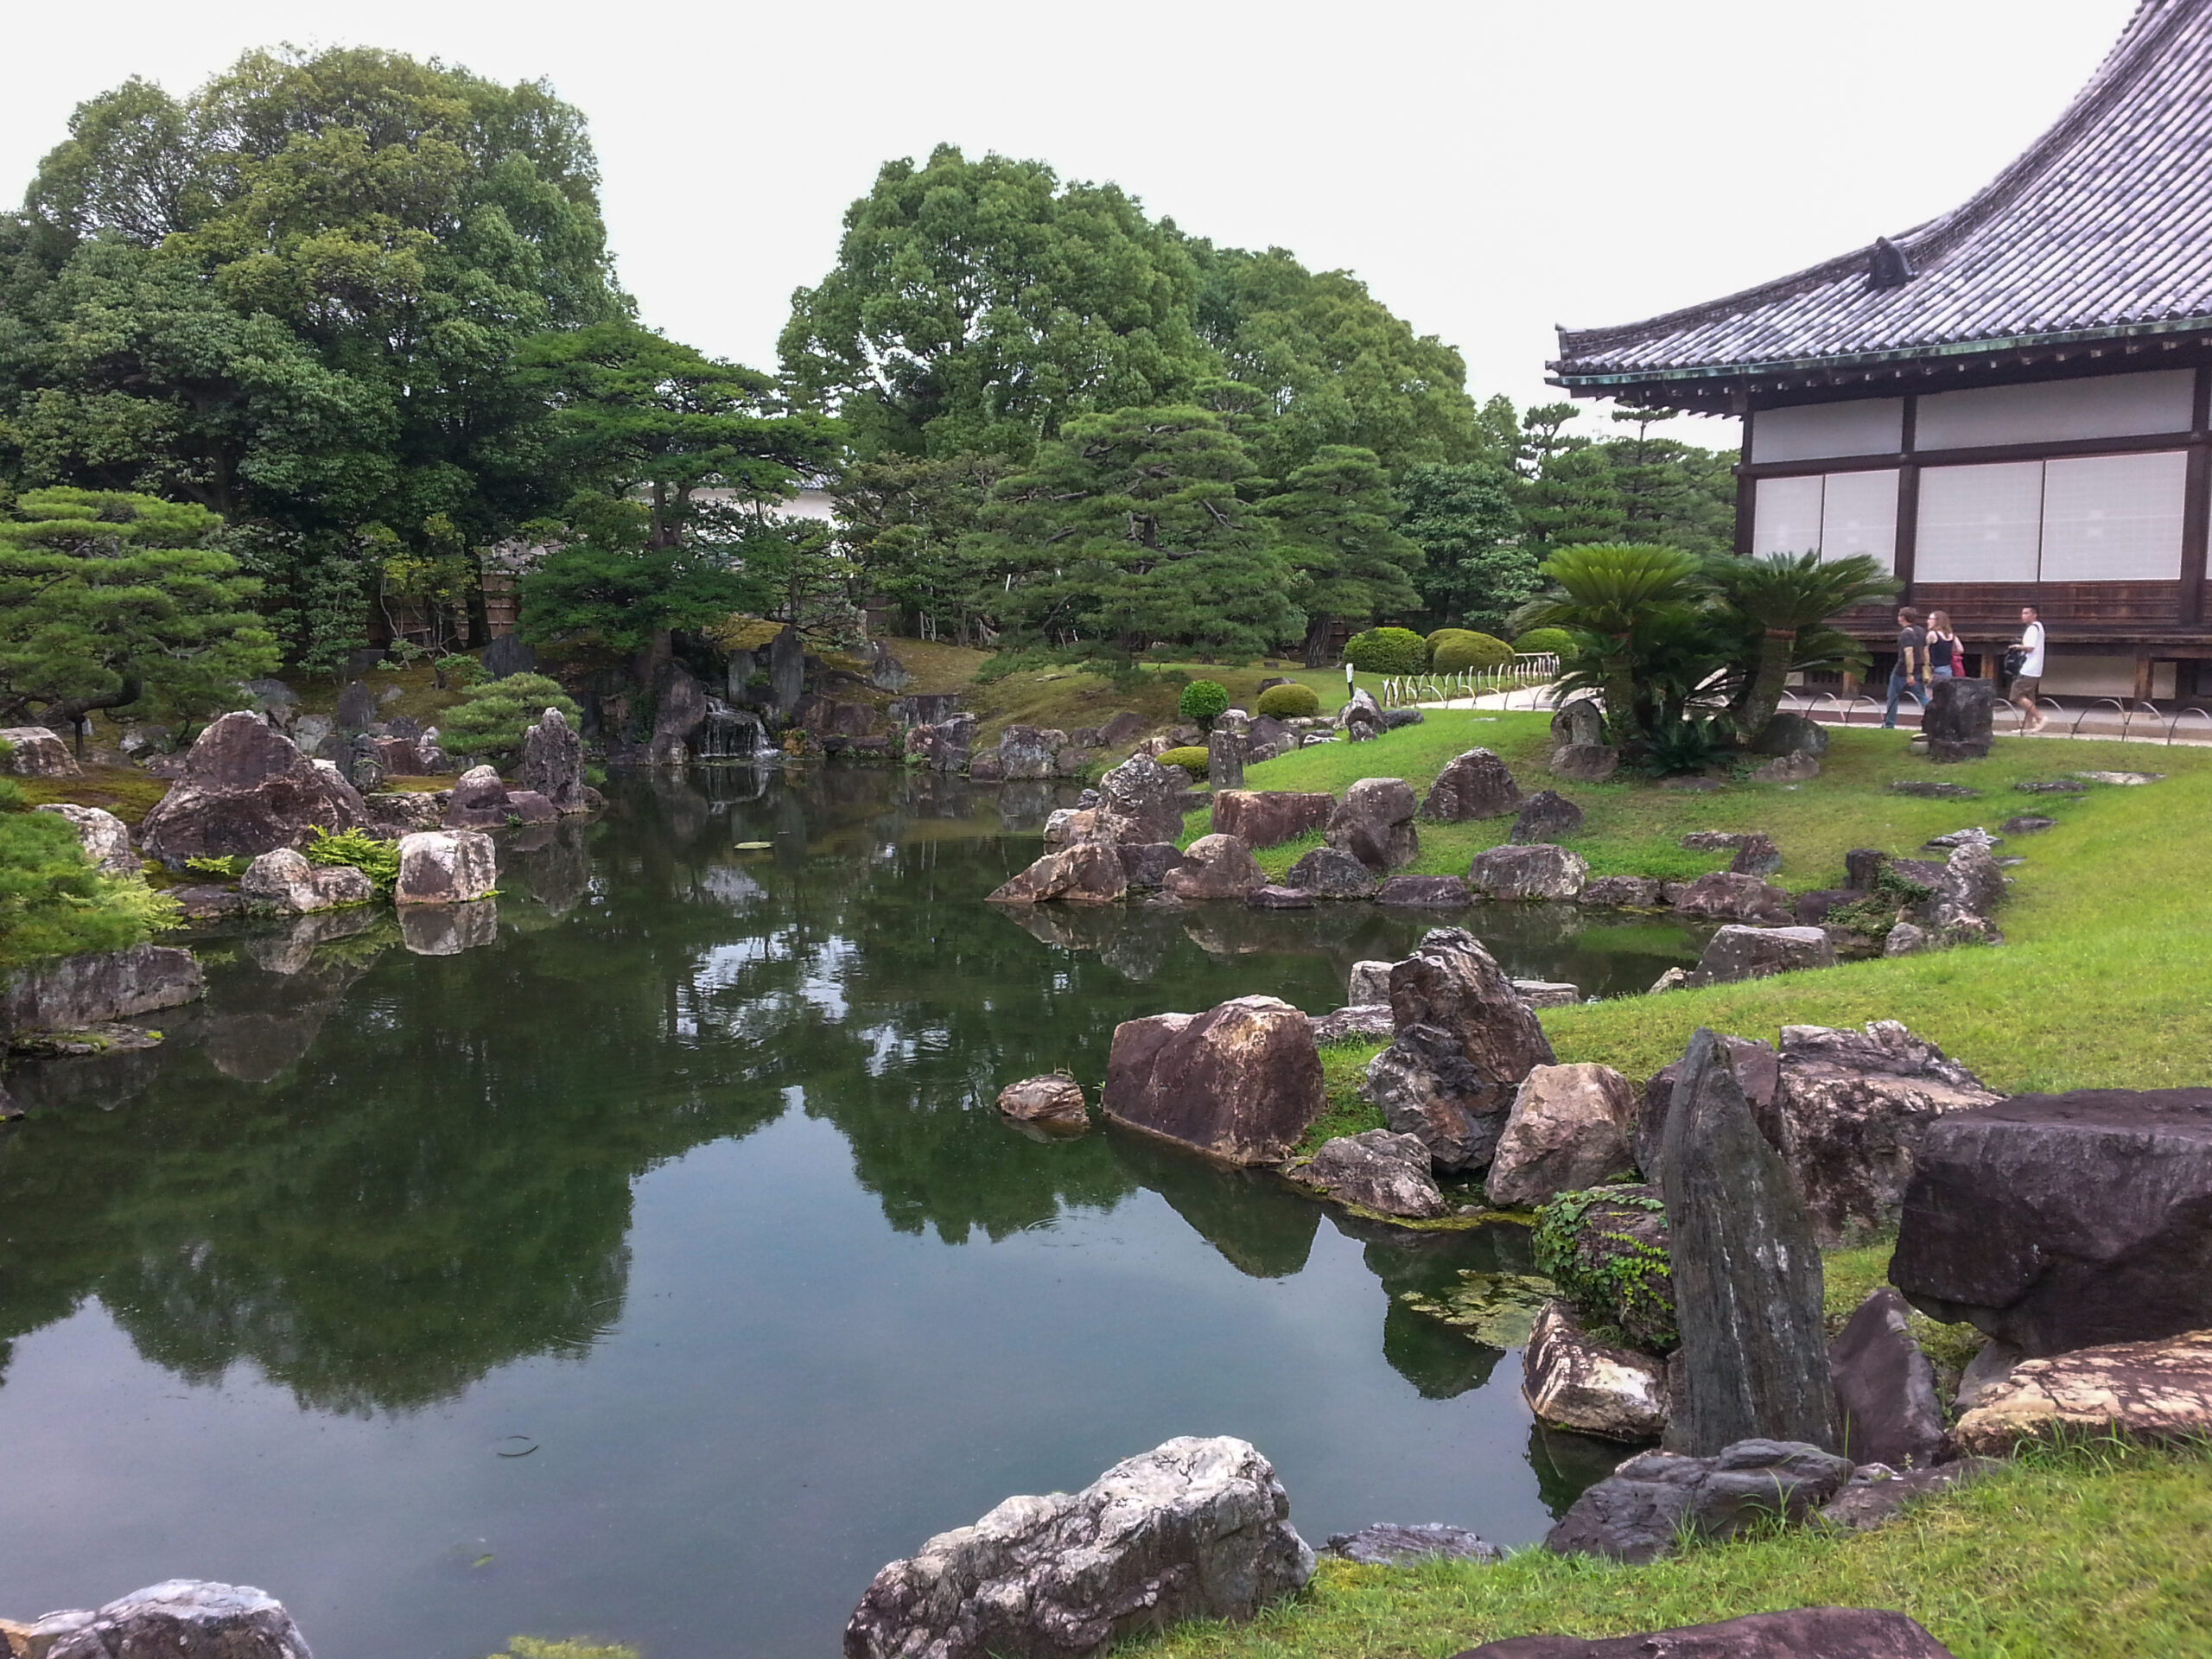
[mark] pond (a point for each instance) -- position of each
(657, 1269)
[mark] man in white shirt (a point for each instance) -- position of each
(2028, 681)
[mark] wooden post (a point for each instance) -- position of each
(2142, 676)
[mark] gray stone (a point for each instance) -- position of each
(1544, 816)
(1905, 940)
(1224, 760)
(1637, 1512)
(1800, 1633)
(786, 671)
(1385, 1544)
(1787, 769)
(508, 655)
(1755, 855)
(1532, 872)
(1791, 734)
(284, 880)
(1359, 1022)
(1573, 1380)
(1375, 824)
(1885, 1387)
(357, 706)
(1030, 751)
(1585, 763)
(180, 1618)
(679, 710)
(1747, 1269)
(1876, 1492)
(1957, 720)
(1626, 891)
(1215, 866)
(1736, 952)
(943, 746)
(1145, 864)
(445, 867)
(1757, 1069)
(74, 993)
(1579, 722)
(2028, 823)
(1972, 882)
(1086, 873)
(1144, 799)
(1548, 993)
(2059, 1222)
(1427, 892)
(1571, 1127)
(2120, 780)
(1475, 785)
(102, 834)
(244, 790)
(1240, 1082)
(1369, 981)
(1050, 1102)
(1725, 896)
(397, 812)
(1378, 1170)
(1273, 896)
(34, 752)
(478, 800)
(1195, 1529)
(553, 762)
(1331, 872)
(2156, 1391)
(449, 929)
(1928, 789)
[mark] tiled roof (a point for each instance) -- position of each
(2103, 227)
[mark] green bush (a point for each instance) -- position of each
(1193, 760)
(1386, 651)
(1556, 640)
(1292, 701)
(53, 901)
(377, 860)
(1615, 1279)
(1465, 649)
(490, 719)
(1202, 701)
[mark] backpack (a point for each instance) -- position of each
(2016, 658)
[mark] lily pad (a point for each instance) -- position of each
(1495, 1309)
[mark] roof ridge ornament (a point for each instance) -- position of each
(1887, 266)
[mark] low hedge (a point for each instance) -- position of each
(1288, 702)
(1386, 651)
(1462, 649)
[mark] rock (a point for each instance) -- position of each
(445, 867)
(1272, 897)
(1369, 981)
(1085, 874)
(1876, 1491)
(183, 1619)
(1380, 1171)
(284, 880)
(508, 655)
(528, 806)
(2028, 823)
(1972, 882)
(1885, 1387)
(1144, 800)
(1972, 837)
(944, 746)
(478, 800)
(74, 993)
(1904, 940)
(1122, 727)
(2157, 1390)
(1747, 1273)
(1548, 993)
(1573, 1380)
(1269, 817)
(1361, 710)
(1224, 760)
(1397, 719)
(786, 669)
(1585, 763)
(1800, 1633)
(1464, 1042)
(1330, 873)
(1791, 734)
(2059, 1222)
(1625, 892)
(1736, 952)
(2053, 786)
(1757, 1069)
(1145, 864)
(1570, 1127)
(1215, 866)
(2122, 779)
(1926, 789)
(1054, 1102)
(1360, 1022)
(1533, 872)
(1435, 892)
(1725, 896)
(1071, 826)
(1581, 722)
(1616, 1262)
(1636, 1514)
(1851, 1109)
(1375, 824)
(1673, 979)
(1546, 816)
(1957, 720)
(1028, 751)
(1755, 855)
(243, 791)
(449, 929)
(102, 834)
(1387, 1545)
(553, 762)
(1240, 1082)
(1787, 769)
(679, 710)
(394, 813)
(357, 706)
(1194, 1528)
(1476, 785)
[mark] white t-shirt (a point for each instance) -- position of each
(2031, 639)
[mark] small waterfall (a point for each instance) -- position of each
(730, 735)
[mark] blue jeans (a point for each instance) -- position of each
(1899, 685)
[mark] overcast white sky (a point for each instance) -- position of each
(1489, 168)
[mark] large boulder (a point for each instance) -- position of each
(102, 834)
(1638, 1512)
(478, 800)
(1224, 759)
(1747, 1273)
(1369, 981)
(1535, 871)
(73, 993)
(1546, 816)
(1240, 1082)
(1608, 1250)
(1850, 1110)
(1366, 1022)
(1788, 734)
(34, 752)
(284, 880)
(1798, 1633)
(1958, 720)
(181, 1619)
(445, 867)
(1050, 1102)
(1571, 1380)
(679, 710)
(243, 791)
(1885, 1387)
(1086, 873)
(1215, 866)
(1386, 1544)
(1031, 751)
(1624, 891)
(1580, 721)
(1466, 1040)
(1585, 763)
(1476, 785)
(1973, 882)
(1571, 1128)
(943, 746)
(1425, 891)
(1757, 1069)
(1194, 1528)
(553, 762)
(1331, 872)
(1726, 897)
(1736, 952)
(2059, 1222)
(1144, 799)
(2158, 1390)
(1375, 824)
(1145, 864)
(1378, 1170)
(1266, 817)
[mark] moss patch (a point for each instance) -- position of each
(126, 791)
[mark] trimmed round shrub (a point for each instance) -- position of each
(1386, 651)
(1467, 649)
(1556, 640)
(490, 719)
(1203, 700)
(1289, 700)
(1193, 759)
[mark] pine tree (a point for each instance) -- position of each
(1334, 520)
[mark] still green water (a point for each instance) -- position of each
(658, 1267)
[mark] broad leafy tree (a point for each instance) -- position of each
(1476, 569)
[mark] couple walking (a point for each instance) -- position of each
(1931, 652)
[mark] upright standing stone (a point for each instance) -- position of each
(1746, 1272)
(553, 761)
(508, 655)
(1958, 719)
(786, 671)
(1225, 759)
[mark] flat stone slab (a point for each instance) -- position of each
(2146, 1390)
(2123, 779)
(1801, 1633)
(2028, 823)
(1929, 789)
(1388, 1545)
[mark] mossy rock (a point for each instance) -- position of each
(1607, 1249)
(1495, 1309)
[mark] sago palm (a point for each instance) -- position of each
(1608, 591)
(1785, 595)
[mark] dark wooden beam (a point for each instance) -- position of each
(2197, 500)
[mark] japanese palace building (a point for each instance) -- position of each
(2005, 405)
